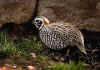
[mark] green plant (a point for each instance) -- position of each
(7, 46)
(42, 59)
(64, 66)
(29, 45)
(21, 48)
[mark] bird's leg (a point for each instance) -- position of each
(56, 55)
(68, 56)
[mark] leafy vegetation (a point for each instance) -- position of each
(20, 48)
(65, 66)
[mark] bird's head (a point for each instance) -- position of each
(39, 22)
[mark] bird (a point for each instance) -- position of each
(59, 35)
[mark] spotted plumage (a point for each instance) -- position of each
(59, 35)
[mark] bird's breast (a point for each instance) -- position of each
(52, 40)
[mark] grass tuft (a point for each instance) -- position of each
(65, 66)
(21, 48)
(7, 47)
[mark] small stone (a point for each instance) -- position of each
(7, 65)
(56, 58)
(33, 55)
(31, 68)
(5, 68)
(62, 59)
(14, 66)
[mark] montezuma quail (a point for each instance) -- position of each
(59, 35)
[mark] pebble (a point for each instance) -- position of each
(31, 68)
(33, 55)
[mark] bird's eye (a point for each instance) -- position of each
(39, 23)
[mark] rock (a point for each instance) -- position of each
(14, 66)
(33, 55)
(31, 68)
(16, 11)
(6, 67)
(98, 6)
(84, 14)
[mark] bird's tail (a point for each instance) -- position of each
(82, 49)
(81, 45)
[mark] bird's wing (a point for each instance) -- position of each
(61, 31)
(69, 34)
